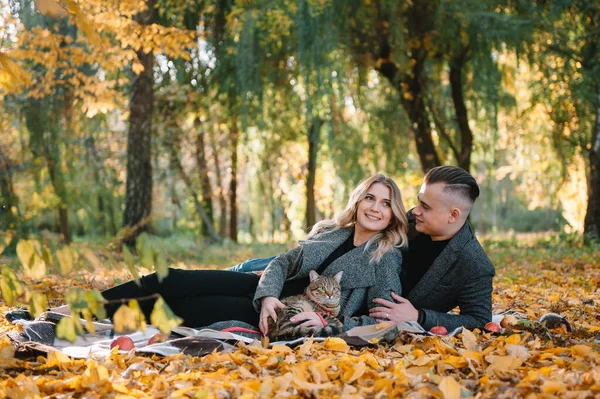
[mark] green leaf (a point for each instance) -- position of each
(160, 265)
(129, 317)
(8, 293)
(5, 239)
(130, 262)
(25, 252)
(95, 302)
(141, 242)
(37, 304)
(75, 298)
(69, 328)
(65, 259)
(147, 256)
(163, 317)
(10, 286)
(47, 256)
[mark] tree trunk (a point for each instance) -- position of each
(58, 183)
(456, 86)
(138, 197)
(314, 133)
(205, 187)
(592, 216)
(221, 191)
(411, 86)
(199, 208)
(99, 182)
(233, 184)
(9, 215)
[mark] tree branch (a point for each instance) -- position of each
(439, 125)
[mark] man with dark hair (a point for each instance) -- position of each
(444, 266)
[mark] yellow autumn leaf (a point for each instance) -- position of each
(305, 348)
(65, 259)
(25, 252)
(478, 357)
(283, 349)
(10, 286)
(12, 76)
(163, 318)
(503, 363)
(318, 369)
(69, 328)
(456, 361)
(51, 8)
(469, 340)
(129, 317)
(514, 339)
(137, 67)
(336, 345)
(580, 350)
(370, 360)
(37, 304)
(356, 371)
(450, 388)
(37, 268)
(552, 387)
(94, 376)
(57, 359)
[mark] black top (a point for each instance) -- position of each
(421, 254)
(297, 286)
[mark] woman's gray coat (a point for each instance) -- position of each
(362, 280)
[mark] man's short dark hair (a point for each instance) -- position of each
(458, 181)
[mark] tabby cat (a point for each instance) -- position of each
(322, 296)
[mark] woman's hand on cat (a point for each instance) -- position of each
(403, 310)
(268, 308)
(310, 319)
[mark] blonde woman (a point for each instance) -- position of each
(364, 241)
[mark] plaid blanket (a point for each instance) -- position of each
(38, 336)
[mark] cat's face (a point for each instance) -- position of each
(324, 290)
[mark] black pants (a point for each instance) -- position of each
(199, 297)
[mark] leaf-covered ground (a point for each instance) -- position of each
(534, 278)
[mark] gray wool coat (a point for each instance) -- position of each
(362, 280)
(460, 276)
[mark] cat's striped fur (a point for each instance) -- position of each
(322, 296)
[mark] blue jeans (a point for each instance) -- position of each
(252, 265)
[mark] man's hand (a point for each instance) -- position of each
(403, 310)
(268, 306)
(310, 319)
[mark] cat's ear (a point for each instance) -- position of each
(313, 275)
(338, 276)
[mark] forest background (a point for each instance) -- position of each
(251, 120)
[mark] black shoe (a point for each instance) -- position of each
(18, 314)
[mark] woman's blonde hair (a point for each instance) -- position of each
(393, 236)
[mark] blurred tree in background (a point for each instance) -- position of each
(250, 120)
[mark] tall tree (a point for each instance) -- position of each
(138, 200)
(569, 40)
(9, 208)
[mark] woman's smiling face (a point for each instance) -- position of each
(374, 212)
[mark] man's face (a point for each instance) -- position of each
(433, 212)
